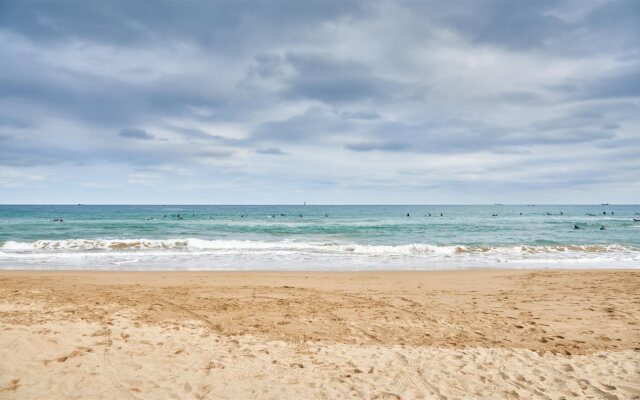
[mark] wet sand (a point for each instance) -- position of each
(226, 335)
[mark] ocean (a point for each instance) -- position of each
(315, 237)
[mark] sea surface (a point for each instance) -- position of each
(313, 237)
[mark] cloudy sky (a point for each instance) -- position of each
(324, 102)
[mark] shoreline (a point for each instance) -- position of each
(496, 333)
(315, 270)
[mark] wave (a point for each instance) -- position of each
(222, 246)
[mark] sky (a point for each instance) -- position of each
(476, 102)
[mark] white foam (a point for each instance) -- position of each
(195, 244)
(195, 253)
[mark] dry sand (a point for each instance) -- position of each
(302, 335)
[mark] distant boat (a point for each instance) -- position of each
(604, 204)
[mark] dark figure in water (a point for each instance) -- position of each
(611, 212)
(602, 228)
(164, 216)
(179, 216)
(604, 213)
(494, 215)
(548, 213)
(300, 215)
(561, 213)
(408, 215)
(441, 214)
(326, 215)
(429, 214)
(576, 227)
(520, 213)
(282, 215)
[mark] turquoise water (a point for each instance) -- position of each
(318, 237)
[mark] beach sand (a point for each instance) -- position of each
(512, 334)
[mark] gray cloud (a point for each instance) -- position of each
(274, 151)
(513, 25)
(622, 84)
(226, 26)
(384, 146)
(363, 115)
(135, 133)
(324, 77)
(327, 79)
(315, 125)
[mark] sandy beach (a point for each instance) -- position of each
(301, 335)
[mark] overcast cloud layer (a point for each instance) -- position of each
(325, 102)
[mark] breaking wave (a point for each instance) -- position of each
(194, 244)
